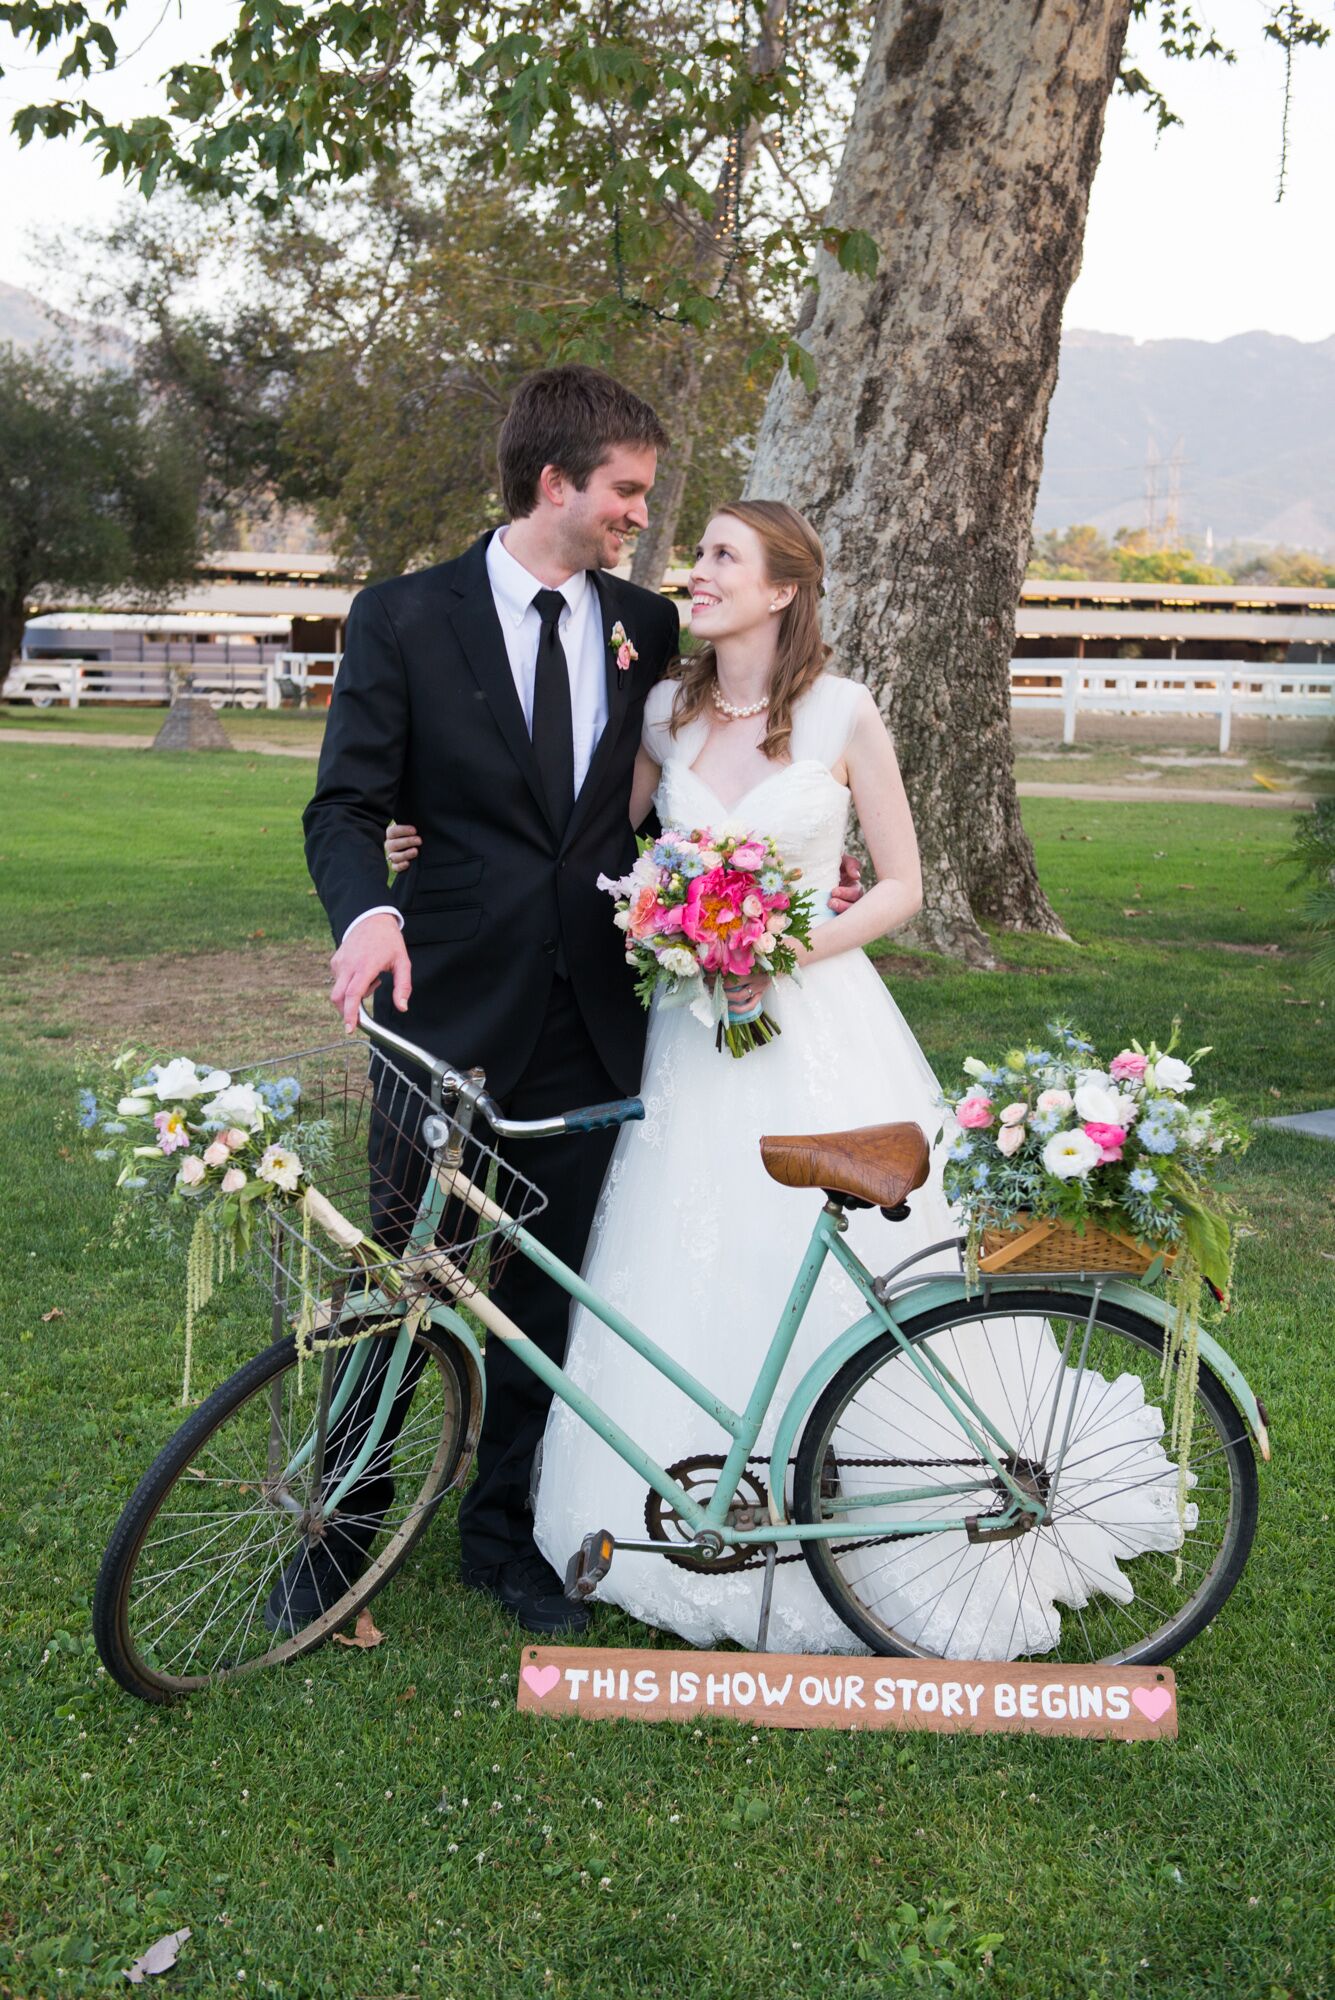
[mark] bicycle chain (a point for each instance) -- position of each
(838, 1548)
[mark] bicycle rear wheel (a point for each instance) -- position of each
(228, 1503)
(1112, 1576)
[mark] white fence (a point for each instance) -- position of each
(1167, 687)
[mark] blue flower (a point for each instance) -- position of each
(981, 1176)
(1156, 1138)
(1044, 1122)
(663, 854)
(772, 882)
(961, 1148)
(288, 1089)
(1039, 1058)
(1143, 1179)
(114, 1125)
(135, 1181)
(87, 1110)
(105, 1153)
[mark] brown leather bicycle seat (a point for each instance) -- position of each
(878, 1163)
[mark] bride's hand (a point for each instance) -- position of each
(402, 843)
(744, 994)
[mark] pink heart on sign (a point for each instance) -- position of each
(541, 1679)
(1152, 1702)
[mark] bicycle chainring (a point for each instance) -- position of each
(699, 1476)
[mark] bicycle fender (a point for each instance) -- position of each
(454, 1324)
(952, 1291)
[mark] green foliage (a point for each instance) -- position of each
(642, 123)
(1314, 851)
(99, 490)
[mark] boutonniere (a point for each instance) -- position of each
(625, 652)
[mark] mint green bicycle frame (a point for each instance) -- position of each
(827, 1239)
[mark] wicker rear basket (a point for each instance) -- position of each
(1049, 1245)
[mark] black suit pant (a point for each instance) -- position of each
(564, 1072)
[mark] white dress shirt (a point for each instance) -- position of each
(513, 589)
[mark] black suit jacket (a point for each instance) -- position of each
(426, 726)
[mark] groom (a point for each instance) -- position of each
(495, 701)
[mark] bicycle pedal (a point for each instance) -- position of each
(589, 1564)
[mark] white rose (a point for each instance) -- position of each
(240, 1104)
(1055, 1100)
(1095, 1076)
(1169, 1073)
(972, 1066)
(679, 962)
(1094, 1101)
(178, 1079)
(1069, 1155)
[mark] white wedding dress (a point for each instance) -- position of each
(696, 1245)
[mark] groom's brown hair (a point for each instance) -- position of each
(572, 417)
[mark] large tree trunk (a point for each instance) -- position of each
(653, 549)
(13, 610)
(969, 159)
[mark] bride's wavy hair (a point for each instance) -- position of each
(793, 554)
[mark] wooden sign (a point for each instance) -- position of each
(825, 1691)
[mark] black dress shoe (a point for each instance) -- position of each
(318, 1575)
(530, 1590)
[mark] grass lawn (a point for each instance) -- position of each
(382, 1823)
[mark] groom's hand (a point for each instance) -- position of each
(849, 888)
(374, 946)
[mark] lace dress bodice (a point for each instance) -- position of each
(799, 804)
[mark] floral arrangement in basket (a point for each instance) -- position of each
(1118, 1159)
(698, 907)
(189, 1139)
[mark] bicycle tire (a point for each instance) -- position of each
(124, 1657)
(1232, 1449)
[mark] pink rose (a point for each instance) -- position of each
(625, 654)
(1108, 1138)
(1128, 1067)
(752, 906)
(974, 1112)
(234, 1138)
(750, 855)
(216, 1155)
(192, 1170)
(1055, 1100)
(1015, 1114)
(1010, 1138)
(233, 1179)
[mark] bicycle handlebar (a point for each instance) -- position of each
(589, 1118)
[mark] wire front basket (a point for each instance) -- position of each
(390, 1167)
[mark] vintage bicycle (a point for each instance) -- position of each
(951, 1452)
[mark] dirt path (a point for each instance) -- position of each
(1169, 794)
(226, 1006)
(119, 739)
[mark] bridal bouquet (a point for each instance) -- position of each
(186, 1137)
(699, 907)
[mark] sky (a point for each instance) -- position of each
(1185, 239)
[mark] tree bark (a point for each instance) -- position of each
(653, 549)
(969, 158)
(13, 616)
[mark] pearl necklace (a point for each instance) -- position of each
(737, 714)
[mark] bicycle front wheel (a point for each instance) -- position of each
(229, 1503)
(1113, 1574)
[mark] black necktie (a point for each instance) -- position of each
(553, 732)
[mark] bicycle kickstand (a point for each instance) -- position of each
(766, 1597)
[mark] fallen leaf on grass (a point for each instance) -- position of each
(159, 1957)
(365, 1636)
(1136, 913)
(55, 1313)
(409, 1694)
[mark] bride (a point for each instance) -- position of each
(692, 1239)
